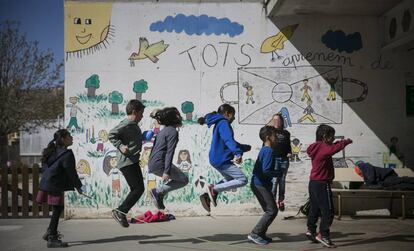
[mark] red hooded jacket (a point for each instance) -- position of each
(321, 156)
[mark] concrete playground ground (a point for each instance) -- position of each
(208, 233)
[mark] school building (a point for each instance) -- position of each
(344, 63)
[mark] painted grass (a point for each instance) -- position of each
(106, 113)
(83, 98)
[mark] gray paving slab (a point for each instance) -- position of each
(207, 233)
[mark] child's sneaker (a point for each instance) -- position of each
(326, 241)
(48, 233)
(311, 236)
(120, 218)
(266, 238)
(158, 201)
(257, 239)
(212, 194)
(205, 202)
(54, 241)
(281, 205)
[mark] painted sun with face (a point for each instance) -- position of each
(87, 27)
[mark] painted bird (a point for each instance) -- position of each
(148, 51)
(276, 42)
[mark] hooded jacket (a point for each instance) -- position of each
(59, 172)
(321, 156)
(223, 146)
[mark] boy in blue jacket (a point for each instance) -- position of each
(261, 185)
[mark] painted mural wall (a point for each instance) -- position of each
(196, 56)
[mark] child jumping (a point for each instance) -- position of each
(224, 154)
(59, 175)
(162, 153)
(321, 177)
(261, 185)
(282, 152)
(127, 138)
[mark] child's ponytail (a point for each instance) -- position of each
(202, 120)
(48, 151)
(54, 143)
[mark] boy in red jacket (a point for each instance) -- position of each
(321, 177)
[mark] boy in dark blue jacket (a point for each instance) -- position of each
(261, 185)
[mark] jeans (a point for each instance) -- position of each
(133, 177)
(233, 178)
(178, 179)
(320, 204)
(282, 164)
(269, 207)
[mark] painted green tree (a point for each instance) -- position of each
(92, 83)
(115, 98)
(140, 87)
(187, 108)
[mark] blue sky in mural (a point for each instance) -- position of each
(41, 20)
(198, 25)
(338, 40)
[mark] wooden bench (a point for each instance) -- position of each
(349, 198)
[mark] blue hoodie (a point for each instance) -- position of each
(223, 146)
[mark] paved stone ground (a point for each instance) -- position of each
(208, 233)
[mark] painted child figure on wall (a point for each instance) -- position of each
(306, 89)
(296, 147)
(394, 148)
(73, 122)
(308, 113)
(84, 171)
(394, 158)
(332, 90)
(184, 160)
(156, 125)
(110, 168)
(249, 92)
(102, 138)
(149, 178)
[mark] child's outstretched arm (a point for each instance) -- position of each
(336, 147)
(244, 147)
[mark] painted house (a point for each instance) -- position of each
(343, 66)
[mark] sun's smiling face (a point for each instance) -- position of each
(86, 25)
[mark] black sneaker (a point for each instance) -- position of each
(47, 234)
(311, 236)
(205, 202)
(212, 194)
(326, 241)
(157, 199)
(54, 241)
(120, 218)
